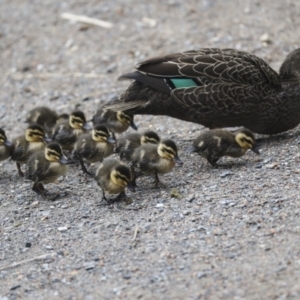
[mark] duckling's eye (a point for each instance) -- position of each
(248, 141)
(168, 151)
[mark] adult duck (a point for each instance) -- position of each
(217, 88)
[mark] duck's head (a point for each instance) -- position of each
(100, 134)
(150, 137)
(121, 176)
(245, 138)
(35, 133)
(167, 149)
(77, 120)
(54, 153)
(126, 118)
(290, 68)
(3, 138)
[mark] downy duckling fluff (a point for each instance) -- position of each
(66, 134)
(155, 159)
(93, 147)
(5, 146)
(117, 122)
(216, 143)
(43, 116)
(129, 142)
(45, 167)
(24, 146)
(113, 176)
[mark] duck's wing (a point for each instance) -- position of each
(211, 65)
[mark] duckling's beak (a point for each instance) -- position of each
(47, 139)
(86, 126)
(111, 140)
(255, 149)
(8, 143)
(178, 161)
(131, 187)
(133, 125)
(63, 160)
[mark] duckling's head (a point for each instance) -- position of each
(126, 118)
(167, 149)
(3, 138)
(54, 153)
(35, 133)
(245, 138)
(290, 68)
(150, 137)
(100, 134)
(121, 176)
(77, 120)
(62, 117)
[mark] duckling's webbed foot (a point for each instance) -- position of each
(19, 169)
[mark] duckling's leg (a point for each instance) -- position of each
(133, 175)
(213, 161)
(39, 189)
(103, 193)
(84, 169)
(157, 183)
(19, 169)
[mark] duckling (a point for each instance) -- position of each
(155, 159)
(66, 134)
(117, 122)
(93, 147)
(128, 143)
(43, 116)
(45, 167)
(24, 146)
(5, 146)
(216, 143)
(113, 177)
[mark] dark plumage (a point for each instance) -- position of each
(66, 133)
(113, 177)
(116, 122)
(93, 147)
(129, 142)
(45, 167)
(155, 159)
(217, 88)
(213, 144)
(6, 146)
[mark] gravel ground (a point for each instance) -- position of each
(229, 233)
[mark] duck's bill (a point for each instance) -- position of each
(63, 160)
(178, 161)
(131, 187)
(47, 139)
(255, 149)
(111, 140)
(86, 126)
(8, 143)
(133, 126)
